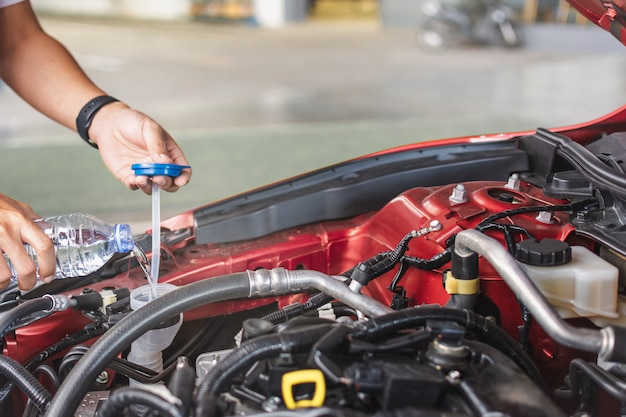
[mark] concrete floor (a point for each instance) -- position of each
(251, 106)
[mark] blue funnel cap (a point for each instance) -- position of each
(152, 169)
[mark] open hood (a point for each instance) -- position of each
(610, 15)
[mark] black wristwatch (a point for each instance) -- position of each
(86, 115)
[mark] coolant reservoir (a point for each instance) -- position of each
(574, 279)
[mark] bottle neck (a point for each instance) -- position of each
(123, 237)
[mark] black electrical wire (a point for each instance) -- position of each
(524, 329)
(388, 260)
(375, 266)
(299, 309)
(398, 276)
(401, 247)
(508, 230)
(83, 335)
(489, 221)
(437, 261)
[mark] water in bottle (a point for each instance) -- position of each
(83, 243)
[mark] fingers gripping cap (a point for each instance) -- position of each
(152, 169)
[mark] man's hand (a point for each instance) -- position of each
(16, 229)
(126, 136)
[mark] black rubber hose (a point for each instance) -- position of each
(248, 353)
(606, 381)
(48, 371)
(75, 386)
(17, 313)
(487, 331)
(25, 381)
(124, 397)
(587, 163)
(31, 410)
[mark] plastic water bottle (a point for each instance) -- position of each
(83, 243)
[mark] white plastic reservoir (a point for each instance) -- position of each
(585, 287)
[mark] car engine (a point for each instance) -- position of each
(470, 277)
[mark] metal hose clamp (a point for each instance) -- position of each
(59, 302)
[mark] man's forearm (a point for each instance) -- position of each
(41, 70)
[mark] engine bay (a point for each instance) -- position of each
(465, 278)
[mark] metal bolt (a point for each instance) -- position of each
(271, 404)
(458, 194)
(582, 217)
(434, 226)
(103, 378)
(454, 377)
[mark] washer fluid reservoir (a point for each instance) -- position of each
(576, 281)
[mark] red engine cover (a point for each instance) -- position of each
(336, 246)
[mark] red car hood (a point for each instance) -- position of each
(610, 15)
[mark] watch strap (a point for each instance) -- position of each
(86, 115)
